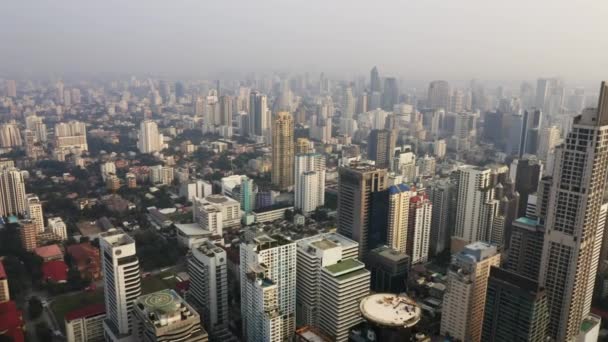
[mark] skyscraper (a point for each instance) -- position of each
(549, 138)
(150, 140)
(259, 115)
(282, 150)
(11, 88)
(344, 285)
(526, 247)
(36, 125)
(516, 309)
(573, 235)
(10, 135)
(34, 212)
(389, 269)
(442, 196)
(528, 171)
(439, 95)
(208, 291)
(268, 288)
(309, 182)
(314, 253)
(419, 228)
(374, 81)
(72, 134)
(356, 188)
(380, 147)
(464, 301)
(398, 213)
(390, 96)
(122, 284)
(530, 133)
(12, 192)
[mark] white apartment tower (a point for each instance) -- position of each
(398, 212)
(314, 253)
(58, 227)
(268, 288)
(12, 192)
(574, 231)
(107, 169)
(465, 297)
(309, 181)
(72, 134)
(208, 291)
(34, 212)
(122, 284)
(419, 230)
(150, 140)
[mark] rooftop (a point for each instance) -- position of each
(116, 237)
(163, 308)
(191, 229)
(390, 310)
(85, 312)
(50, 251)
(527, 221)
(324, 244)
(344, 266)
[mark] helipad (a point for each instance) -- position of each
(390, 310)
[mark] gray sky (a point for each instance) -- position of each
(419, 39)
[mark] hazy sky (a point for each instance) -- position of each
(418, 39)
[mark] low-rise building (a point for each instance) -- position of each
(85, 324)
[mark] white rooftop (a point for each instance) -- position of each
(390, 310)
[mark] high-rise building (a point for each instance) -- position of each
(314, 253)
(525, 248)
(530, 133)
(465, 297)
(208, 291)
(515, 310)
(398, 214)
(309, 182)
(303, 146)
(34, 211)
(356, 188)
(149, 140)
(549, 139)
(348, 107)
(380, 147)
(11, 88)
(122, 284)
(225, 111)
(10, 135)
(268, 288)
(58, 227)
(107, 168)
(439, 95)
(390, 95)
(36, 125)
(85, 324)
(12, 192)
(389, 269)
(442, 195)
(374, 79)
(528, 171)
(282, 150)
(419, 228)
(72, 134)
(344, 285)
(216, 212)
(259, 115)
(573, 231)
(28, 232)
(247, 195)
(165, 316)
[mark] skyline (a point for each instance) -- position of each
(197, 38)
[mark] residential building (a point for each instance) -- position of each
(4, 293)
(12, 193)
(464, 301)
(149, 140)
(10, 135)
(380, 148)
(223, 207)
(71, 135)
(442, 195)
(398, 214)
(58, 227)
(309, 182)
(438, 95)
(85, 324)
(526, 247)
(160, 174)
(282, 150)
(419, 228)
(34, 211)
(107, 168)
(28, 232)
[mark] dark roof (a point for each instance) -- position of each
(87, 311)
(55, 270)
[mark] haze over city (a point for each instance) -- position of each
(418, 40)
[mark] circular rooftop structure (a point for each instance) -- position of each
(216, 199)
(390, 310)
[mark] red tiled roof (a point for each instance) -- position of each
(50, 251)
(11, 321)
(83, 251)
(2, 271)
(87, 311)
(55, 270)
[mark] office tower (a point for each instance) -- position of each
(344, 284)
(362, 102)
(72, 134)
(282, 151)
(149, 139)
(516, 309)
(59, 88)
(28, 232)
(389, 269)
(493, 128)
(549, 95)
(464, 301)
(525, 248)
(180, 90)
(309, 182)
(314, 253)
(34, 211)
(476, 205)
(67, 98)
(356, 188)
(398, 212)
(528, 171)
(348, 107)
(4, 293)
(107, 169)
(225, 117)
(199, 106)
(374, 82)
(247, 195)
(268, 288)
(380, 147)
(419, 228)
(122, 284)
(457, 102)
(208, 291)
(303, 145)
(465, 133)
(426, 166)
(549, 139)
(573, 236)
(442, 194)
(12, 192)
(514, 123)
(10, 135)
(11, 88)
(58, 227)
(530, 132)
(165, 316)
(390, 96)
(259, 115)
(438, 95)
(36, 125)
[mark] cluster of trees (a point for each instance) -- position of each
(23, 268)
(154, 251)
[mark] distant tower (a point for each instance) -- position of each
(374, 81)
(439, 95)
(259, 115)
(390, 96)
(282, 150)
(530, 133)
(380, 147)
(150, 140)
(122, 284)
